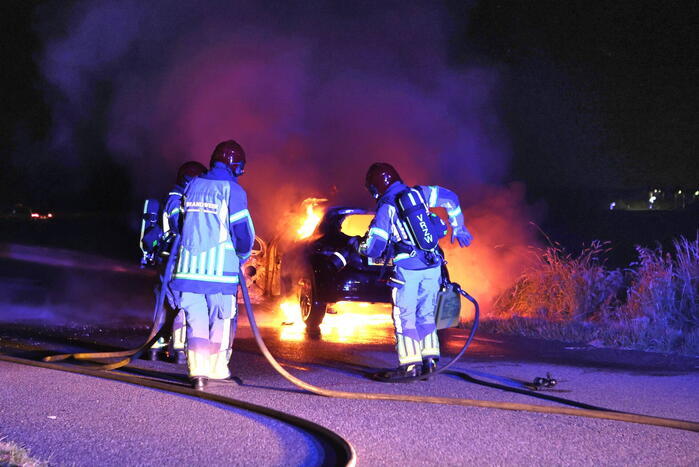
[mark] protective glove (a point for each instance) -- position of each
(461, 234)
(354, 242)
(217, 305)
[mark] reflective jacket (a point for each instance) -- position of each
(217, 234)
(173, 209)
(387, 229)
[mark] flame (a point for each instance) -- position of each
(345, 322)
(291, 312)
(351, 315)
(313, 216)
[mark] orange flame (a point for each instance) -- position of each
(291, 312)
(345, 322)
(313, 216)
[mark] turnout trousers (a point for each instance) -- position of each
(179, 332)
(210, 323)
(414, 304)
(176, 341)
(177, 336)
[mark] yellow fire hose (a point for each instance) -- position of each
(338, 451)
(601, 414)
(126, 356)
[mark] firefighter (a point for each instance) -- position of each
(171, 224)
(217, 236)
(417, 273)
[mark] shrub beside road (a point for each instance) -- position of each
(653, 304)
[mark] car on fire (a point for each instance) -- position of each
(325, 269)
(256, 270)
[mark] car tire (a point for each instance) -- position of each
(312, 310)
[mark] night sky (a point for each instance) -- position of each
(617, 83)
(592, 96)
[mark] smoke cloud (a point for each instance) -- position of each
(314, 91)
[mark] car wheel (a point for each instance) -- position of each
(312, 310)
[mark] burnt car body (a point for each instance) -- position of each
(255, 270)
(325, 268)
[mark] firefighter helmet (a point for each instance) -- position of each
(379, 177)
(232, 154)
(188, 171)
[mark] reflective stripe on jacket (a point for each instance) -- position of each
(217, 233)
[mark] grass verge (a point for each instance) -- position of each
(13, 455)
(653, 304)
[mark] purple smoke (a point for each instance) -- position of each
(315, 92)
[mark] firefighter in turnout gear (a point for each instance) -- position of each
(217, 236)
(405, 232)
(171, 224)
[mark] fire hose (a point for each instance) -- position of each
(128, 355)
(157, 329)
(603, 414)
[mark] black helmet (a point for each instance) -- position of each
(230, 153)
(188, 171)
(379, 177)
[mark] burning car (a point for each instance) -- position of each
(322, 268)
(255, 270)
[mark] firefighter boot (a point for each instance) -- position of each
(154, 351)
(429, 366)
(179, 357)
(403, 372)
(153, 354)
(198, 383)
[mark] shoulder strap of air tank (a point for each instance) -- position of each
(418, 188)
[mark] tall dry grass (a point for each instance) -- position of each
(13, 455)
(651, 305)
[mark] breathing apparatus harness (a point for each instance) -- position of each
(416, 228)
(155, 243)
(426, 228)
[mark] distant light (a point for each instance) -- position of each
(679, 192)
(696, 193)
(35, 214)
(612, 205)
(50, 215)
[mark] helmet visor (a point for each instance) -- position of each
(373, 191)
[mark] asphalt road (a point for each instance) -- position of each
(80, 420)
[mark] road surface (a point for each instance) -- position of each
(80, 420)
